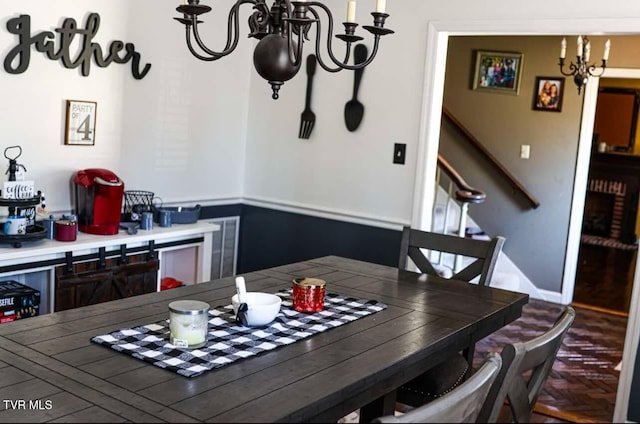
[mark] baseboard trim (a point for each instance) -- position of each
(550, 296)
(559, 414)
(327, 213)
(600, 309)
(221, 201)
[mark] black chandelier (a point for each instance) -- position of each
(282, 30)
(582, 70)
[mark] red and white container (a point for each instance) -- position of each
(308, 294)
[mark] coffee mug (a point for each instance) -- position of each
(602, 147)
(49, 225)
(15, 225)
(165, 218)
(147, 221)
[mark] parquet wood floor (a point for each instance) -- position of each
(605, 277)
(583, 384)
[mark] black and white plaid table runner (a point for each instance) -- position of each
(227, 341)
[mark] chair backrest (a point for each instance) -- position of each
(461, 405)
(486, 253)
(534, 359)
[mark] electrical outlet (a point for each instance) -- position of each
(399, 153)
(525, 151)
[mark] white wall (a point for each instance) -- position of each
(33, 103)
(335, 169)
(184, 128)
(179, 132)
(352, 172)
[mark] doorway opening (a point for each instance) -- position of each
(485, 116)
(608, 243)
(436, 53)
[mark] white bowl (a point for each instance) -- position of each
(263, 307)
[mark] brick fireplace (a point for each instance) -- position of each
(611, 204)
(604, 207)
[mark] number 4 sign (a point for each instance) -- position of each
(81, 123)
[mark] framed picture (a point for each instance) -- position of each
(548, 94)
(80, 127)
(499, 72)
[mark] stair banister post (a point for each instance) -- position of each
(464, 209)
(435, 200)
(447, 211)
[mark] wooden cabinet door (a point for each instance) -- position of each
(88, 284)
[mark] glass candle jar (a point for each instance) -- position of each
(188, 323)
(308, 294)
(66, 230)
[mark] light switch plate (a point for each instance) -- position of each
(525, 151)
(399, 153)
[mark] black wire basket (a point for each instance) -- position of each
(136, 202)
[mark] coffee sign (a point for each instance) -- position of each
(17, 60)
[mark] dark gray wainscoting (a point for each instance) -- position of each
(223, 211)
(270, 237)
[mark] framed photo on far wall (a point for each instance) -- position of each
(499, 72)
(80, 127)
(548, 94)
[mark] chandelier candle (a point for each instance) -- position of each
(607, 47)
(351, 11)
(587, 51)
(580, 45)
(282, 29)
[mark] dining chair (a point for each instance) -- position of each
(526, 367)
(461, 405)
(485, 252)
(451, 372)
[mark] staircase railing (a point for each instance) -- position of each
(458, 190)
(513, 181)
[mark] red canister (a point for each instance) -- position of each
(66, 230)
(308, 294)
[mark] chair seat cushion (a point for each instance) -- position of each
(434, 383)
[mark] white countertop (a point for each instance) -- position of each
(43, 249)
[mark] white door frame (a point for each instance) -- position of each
(633, 327)
(581, 178)
(438, 33)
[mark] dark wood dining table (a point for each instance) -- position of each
(49, 362)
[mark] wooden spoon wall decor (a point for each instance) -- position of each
(354, 110)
